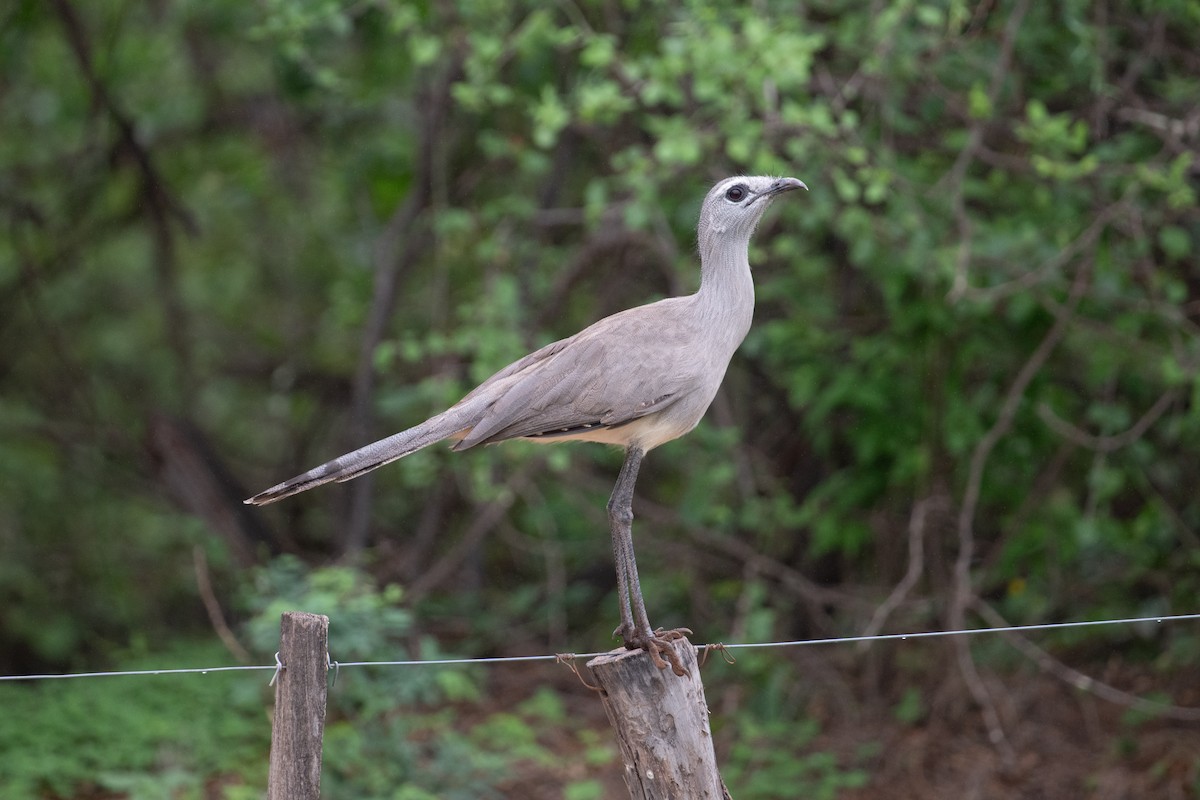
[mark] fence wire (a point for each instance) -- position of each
(273, 668)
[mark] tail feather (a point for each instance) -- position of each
(372, 456)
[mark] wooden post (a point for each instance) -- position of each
(300, 693)
(661, 721)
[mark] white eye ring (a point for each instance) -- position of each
(736, 193)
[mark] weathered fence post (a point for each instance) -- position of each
(300, 693)
(661, 721)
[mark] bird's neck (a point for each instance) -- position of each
(726, 295)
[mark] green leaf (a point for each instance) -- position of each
(1175, 242)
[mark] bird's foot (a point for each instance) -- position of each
(657, 644)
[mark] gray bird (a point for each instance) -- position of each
(637, 379)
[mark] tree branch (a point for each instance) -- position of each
(958, 173)
(1079, 680)
(158, 200)
(399, 247)
(963, 590)
(1111, 442)
(916, 564)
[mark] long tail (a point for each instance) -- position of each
(455, 420)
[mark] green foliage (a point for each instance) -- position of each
(138, 737)
(380, 738)
(912, 707)
(370, 626)
(392, 732)
(431, 753)
(776, 760)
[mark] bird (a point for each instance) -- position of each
(636, 379)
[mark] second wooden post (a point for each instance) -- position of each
(300, 694)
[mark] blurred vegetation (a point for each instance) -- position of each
(126, 736)
(241, 238)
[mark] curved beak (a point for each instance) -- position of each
(782, 185)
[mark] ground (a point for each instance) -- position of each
(1065, 743)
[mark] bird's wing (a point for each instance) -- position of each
(622, 368)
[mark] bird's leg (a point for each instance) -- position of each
(620, 518)
(627, 628)
(635, 627)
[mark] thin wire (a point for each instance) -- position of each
(515, 659)
(184, 671)
(1044, 626)
(279, 668)
(449, 661)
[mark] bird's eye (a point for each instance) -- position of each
(736, 194)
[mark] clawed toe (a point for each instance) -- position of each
(673, 634)
(658, 645)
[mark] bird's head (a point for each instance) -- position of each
(734, 206)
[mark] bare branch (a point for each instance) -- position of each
(401, 244)
(958, 172)
(159, 202)
(1109, 443)
(1083, 242)
(983, 698)
(963, 590)
(1078, 679)
(488, 515)
(213, 608)
(983, 449)
(916, 564)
